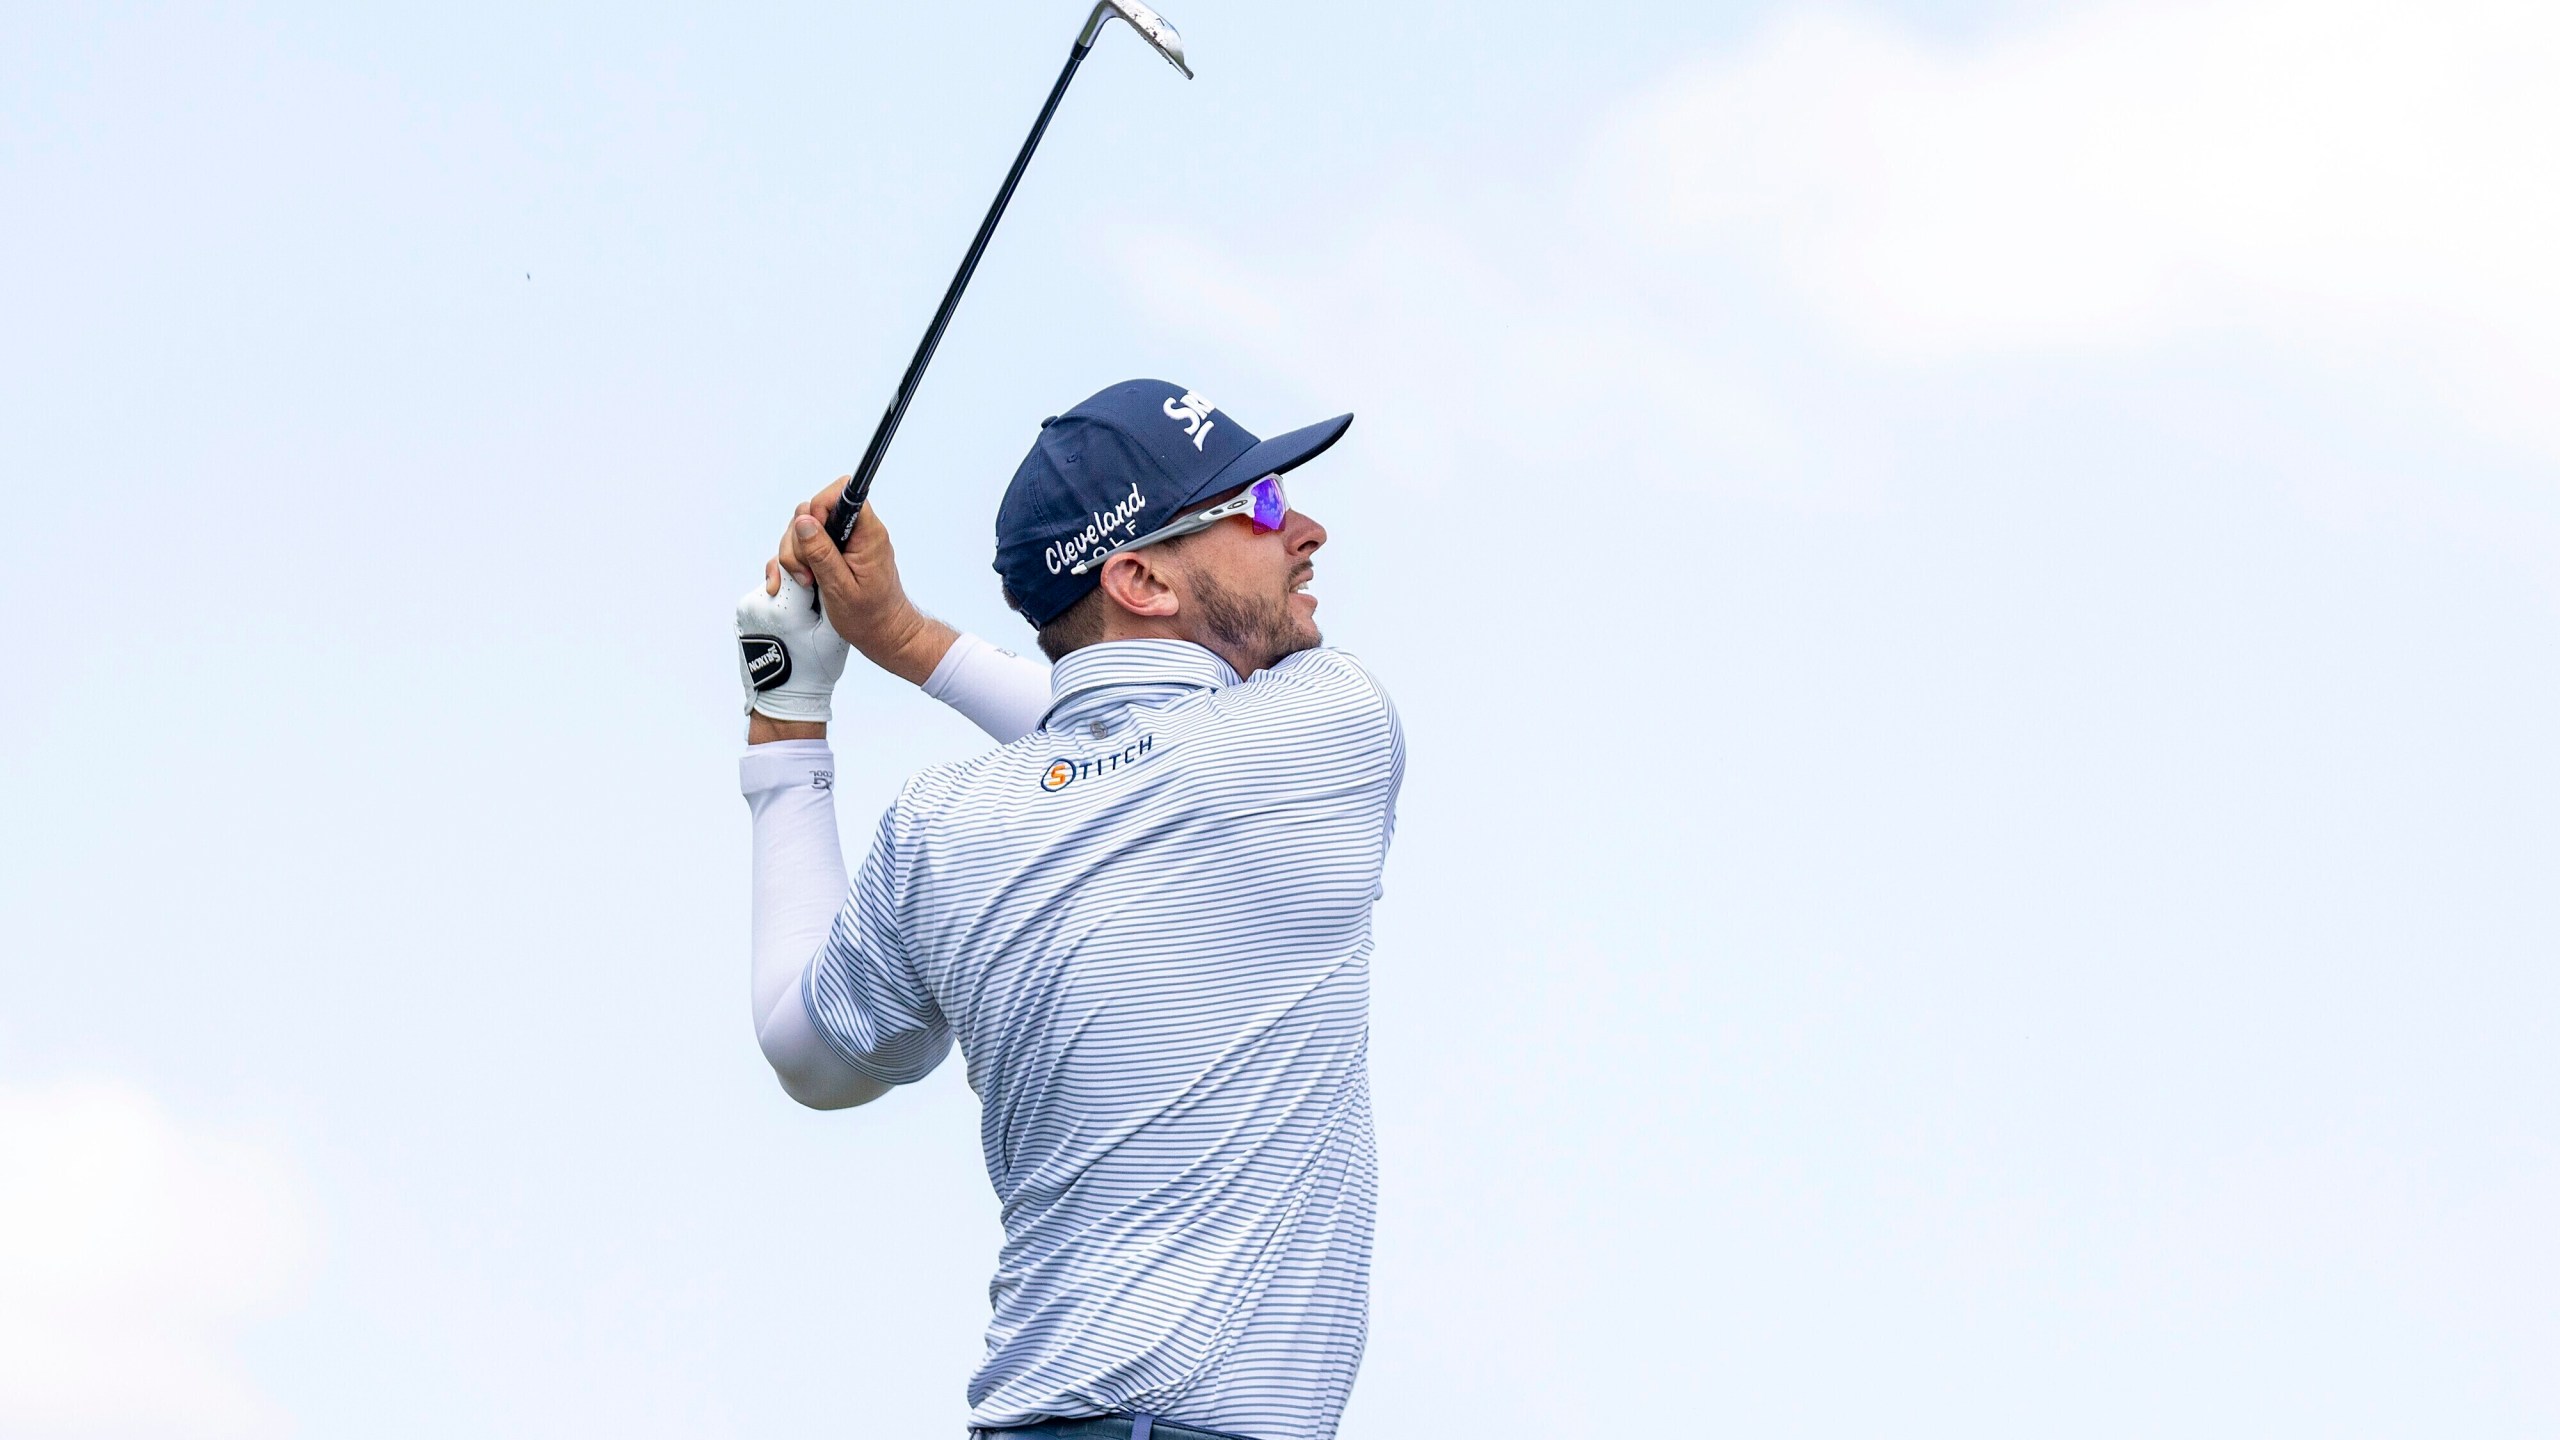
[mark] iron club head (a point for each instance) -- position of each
(1166, 40)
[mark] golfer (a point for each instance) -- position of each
(1144, 919)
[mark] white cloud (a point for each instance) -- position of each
(2370, 179)
(131, 1249)
(2360, 187)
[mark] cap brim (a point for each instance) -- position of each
(1277, 455)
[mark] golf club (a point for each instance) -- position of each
(1146, 22)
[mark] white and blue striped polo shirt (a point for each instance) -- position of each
(1147, 925)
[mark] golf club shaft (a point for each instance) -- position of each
(848, 506)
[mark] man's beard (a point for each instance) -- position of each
(1268, 627)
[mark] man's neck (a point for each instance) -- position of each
(1141, 627)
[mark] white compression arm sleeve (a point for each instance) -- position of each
(799, 885)
(1003, 693)
(799, 862)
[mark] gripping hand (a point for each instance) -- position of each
(788, 655)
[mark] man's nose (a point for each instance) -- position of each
(1305, 535)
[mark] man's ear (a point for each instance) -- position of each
(1139, 584)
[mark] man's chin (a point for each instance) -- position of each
(1302, 636)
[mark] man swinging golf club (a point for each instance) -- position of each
(1144, 919)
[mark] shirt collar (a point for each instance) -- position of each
(1131, 672)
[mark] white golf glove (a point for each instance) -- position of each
(788, 655)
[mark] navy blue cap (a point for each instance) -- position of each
(1116, 467)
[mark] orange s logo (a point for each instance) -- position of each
(1057, 775)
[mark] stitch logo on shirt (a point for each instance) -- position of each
(1063, 772)
(1192, 408)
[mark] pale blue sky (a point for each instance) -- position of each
(1972, 589)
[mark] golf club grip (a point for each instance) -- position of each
(847, 510)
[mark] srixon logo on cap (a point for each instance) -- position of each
(768, 663)
(1063, 772)
(1194, 410)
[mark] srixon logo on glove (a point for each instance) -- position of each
(768, 663)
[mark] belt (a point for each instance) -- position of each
(1109, 1427)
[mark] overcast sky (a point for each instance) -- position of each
(1974, 588)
